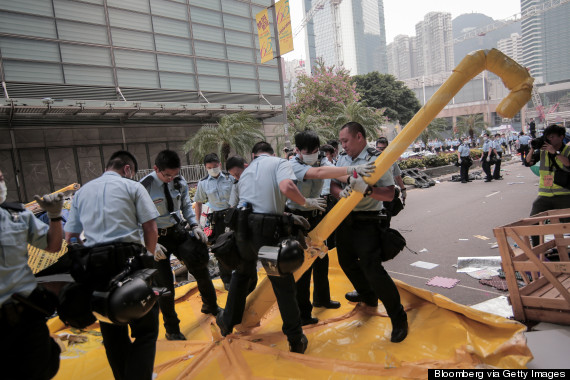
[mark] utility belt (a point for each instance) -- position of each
(40, 304)
(217, 216)
(167, 231)
(365, 217)
(313, 216)
(271, 225)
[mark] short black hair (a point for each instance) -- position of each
(382, 140)
(167, 159)
(235, 161)
(263, 147)
(333, 143)
(554, 129)
(307, 139)
(120, 158)
(354, 128)
(327, 149)
(211, 157)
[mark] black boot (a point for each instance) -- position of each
(299, 346)
(399, 327)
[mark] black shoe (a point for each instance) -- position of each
(328, 305)
(207, 309)
(220, 322)
(175, 336)
(309, 321)
(498, 179)
(353, 296)
(299, 346)
(400, 328)
(463, 181)
(488, 180)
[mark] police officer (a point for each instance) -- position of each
(27, 350)
(169, 193)
(381, 144)
(310, 183)
(498, 146)
(215, 189)
(464, 160)
(488, 148)
(108, 209)
(235, 166)
(264, 188)
(358, 238)
(524, 141)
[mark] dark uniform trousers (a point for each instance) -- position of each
(164, 278)
(219, 227)
(497, 171)
(464, 168)
(27, 351)
(524, 149)
(486, 166)
(357, 244)
(283, 287)
(320, 271)
(132, 360)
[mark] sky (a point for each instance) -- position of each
(401, 16)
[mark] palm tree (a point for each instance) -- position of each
(370, 118)
(319, 124)
(470, 124)
(433, 130)
(237, 132)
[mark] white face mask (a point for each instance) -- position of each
(214, 172)
(3, 191)
(310, 159)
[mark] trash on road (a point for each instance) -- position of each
(424, 264)
(443, 282)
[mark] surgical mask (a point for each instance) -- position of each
(310, 159)
(214, 172)
(3, 191)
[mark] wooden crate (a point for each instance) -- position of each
(545, 296)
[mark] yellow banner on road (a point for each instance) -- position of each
(264, 33)
(284, 27)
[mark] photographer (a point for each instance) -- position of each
(553, 156)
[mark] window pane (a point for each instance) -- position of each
(241, 54)
(86, 55)
(240, 39)
(236, 8)
(62, 162)
(268, 73)
(237, 23)
(212, 67)
(208, 33)
(271, 88)
(174, 63)
(135, 5)
(38, 7)
(135, 60)
(32, 72)
(168, 9)
(90, 166)
(244, 86)
(242, 71)
(27, 25)
(203, 16)
(79, 12)
(205, 49)
(214, 84)
(173, 45)
(177, 81)
(89, 75)
(130, 20)
(212, 4)
(29, 49)
(137, 78)
(74, 31)
(34, 171)
(171, 27)
(132, 39)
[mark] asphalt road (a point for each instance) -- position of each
(437, 218)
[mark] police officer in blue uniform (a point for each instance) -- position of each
(235, 166)
(215, 189)
(169, 193)
(498, 146)
(27, 350)
(464, 160)
(358, 237)
(263, 190)
(488, 154)
(310, 183)
(111, 209)
(524, 142)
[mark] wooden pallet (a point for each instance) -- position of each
(545, 295)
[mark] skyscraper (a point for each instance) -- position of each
(400, 57)
(511, 46)
(349, 32)
(435, 43)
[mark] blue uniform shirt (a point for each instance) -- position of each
(486, 145)
(215, 191)
(326, 190)
(180, 199)
(234, 195)
(110, 208)
(524, 139)
(15, 235)
(310, 188)
(259, 184)
(464, 150)
(367, 203)
(497, 145)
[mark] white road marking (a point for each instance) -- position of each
(490, 195)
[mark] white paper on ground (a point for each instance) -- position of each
(424, 264)
(498, 306)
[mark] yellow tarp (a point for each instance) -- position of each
(350, 342)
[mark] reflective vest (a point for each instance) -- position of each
(546, 169)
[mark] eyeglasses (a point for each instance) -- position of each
(167, 176)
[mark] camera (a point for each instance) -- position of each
(538, 142)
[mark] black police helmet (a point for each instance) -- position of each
(291, 256)
(74, 307)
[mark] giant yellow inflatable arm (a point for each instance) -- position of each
(515, 77)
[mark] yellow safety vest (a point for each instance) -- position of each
(546, 170)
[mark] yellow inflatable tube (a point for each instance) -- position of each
(515, 77)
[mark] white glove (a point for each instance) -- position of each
(300, 221)
(160, 252)
(358, 184)
(199, 234)
(459, 161)
(315, 204)
(51, 204)
(363, 170)
(488, 158)
(345, 193)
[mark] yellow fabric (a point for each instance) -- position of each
(352, 342)
(554, 190)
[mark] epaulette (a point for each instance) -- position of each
(146, 182)
(178, 182)
(371, 152)
(13, 206)
(343, 153)
(205, 178)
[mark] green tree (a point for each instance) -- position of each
(470, 124)
(433, 130)
(321, 125)
(383, 91)
(237, 132)
(371, 119)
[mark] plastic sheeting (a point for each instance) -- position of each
(350, 342)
